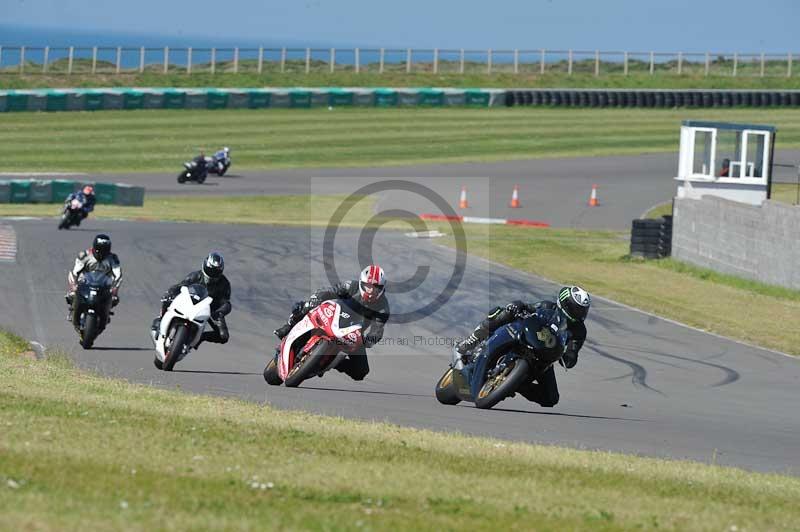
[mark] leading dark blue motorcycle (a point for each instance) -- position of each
(513, 356)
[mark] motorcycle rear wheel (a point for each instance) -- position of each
(271, 373)
(446, 389)
(308, 366)
(503, 385)
(182, 177)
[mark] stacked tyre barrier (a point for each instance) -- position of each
(246, 98)
(57, 190)
(652, 239)
(650, 98)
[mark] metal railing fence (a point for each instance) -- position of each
(83, 60)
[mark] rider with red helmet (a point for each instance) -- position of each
(368, 295)
(86, 195)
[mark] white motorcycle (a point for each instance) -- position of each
(182, 326)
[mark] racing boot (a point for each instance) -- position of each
(465, 348)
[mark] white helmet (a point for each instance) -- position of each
(226, 150)
(371, 283)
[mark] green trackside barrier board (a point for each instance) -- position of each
(20, 192)
(477, 97)
(257, 99)
(174, 99)
(132, 99)
(41, 192)
(92, 101)
(299, 98)
(430, 97)
(16, 101)
(5, 191)
(105, 193)
(3, 101)
(56, 101)
(130, 196)
(216, 99)
(62, 188)
(386, 98)
(338, 98)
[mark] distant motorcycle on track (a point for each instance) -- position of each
(71, 214)
(92, 306)
(192, 172)
(181, 326)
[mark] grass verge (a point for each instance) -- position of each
(82, 452)
(474, 77)
(160, 140)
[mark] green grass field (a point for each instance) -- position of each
(474, 76)
(82, 452)
(596, 259)
(137, 141)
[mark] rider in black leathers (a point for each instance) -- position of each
(219, 289)
(368, 298)
(573, 302)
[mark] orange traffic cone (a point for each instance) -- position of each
(462, 201)
(593, 198)
(515, 198)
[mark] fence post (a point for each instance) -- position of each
(652, 63)
(46, 56)
(141, 59)
(69, 59)
(789, 65)
(541, 63)
(735, 62)
(261, 59)
(22, 60)
(333, 59)
(625, 62)
(380, 66)
(489, 61)
(762, 64)
(213, 60)
(358, 60)
(461, 62)
(435, 60)
(408, 60)
(308, 60)
(189, 61)
(166, 59)
(516, 61)
(680, 62)
(708, 63)
(236, 60)
(596, 63)
(94, 59)
(119, 58)
(569, 62)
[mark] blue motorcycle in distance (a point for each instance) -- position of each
(513, 356)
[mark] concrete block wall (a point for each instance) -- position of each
(759, 243)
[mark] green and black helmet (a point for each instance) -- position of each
(574, 302)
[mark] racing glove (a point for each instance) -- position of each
(569, 359)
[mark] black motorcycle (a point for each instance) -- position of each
(92, 306)
(72, 214)
(514, 355)
(192, 172)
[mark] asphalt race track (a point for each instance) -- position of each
(642, 385)
(555, 191)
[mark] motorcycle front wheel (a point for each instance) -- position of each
(308, 366)
(182, 177)
(89, 331)
(176, 347)
(503, 384)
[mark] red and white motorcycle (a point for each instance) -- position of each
(316, 344)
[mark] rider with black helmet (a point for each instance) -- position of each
(572, 302)
(96, 258)
(219, 289)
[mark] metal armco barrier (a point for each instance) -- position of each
(650, 98)
(57, 190)
(202, 98)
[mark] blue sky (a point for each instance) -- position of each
(674, 25)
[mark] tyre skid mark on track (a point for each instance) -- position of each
(638, 372)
